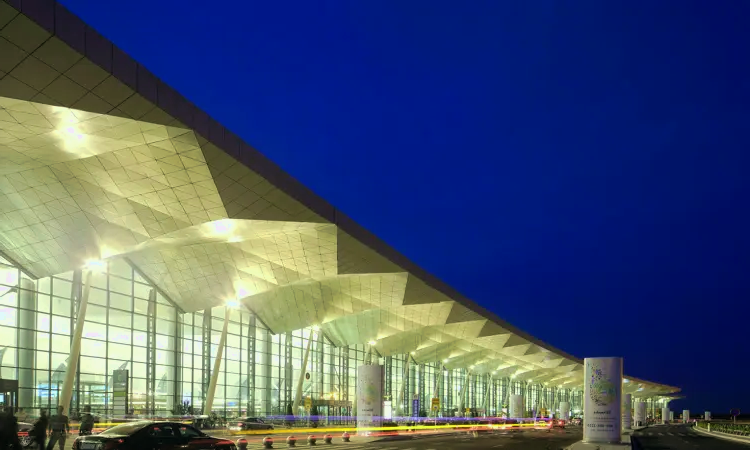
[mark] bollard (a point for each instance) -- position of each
(268, 442)
(241, 444)
(328, 438)
(345, 437)
(291, 441)
(311, 440)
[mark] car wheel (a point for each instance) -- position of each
(26, 441)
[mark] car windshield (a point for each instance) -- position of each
(124, 429)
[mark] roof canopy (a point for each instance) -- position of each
(101, 159)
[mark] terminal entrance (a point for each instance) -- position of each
(334, 412)
(8, 394)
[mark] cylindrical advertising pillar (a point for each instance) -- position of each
(685, 415)
(640, 414)
(565, 410)
(369, 396)
(627, 418)
(665, 415)
(515, 406)
(602, 400)
(707, 415)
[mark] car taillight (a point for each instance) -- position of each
(239, 424)
(113, 444)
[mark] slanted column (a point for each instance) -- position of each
(27, 308)
(209, 403)
(75, 347)
(301, 378)
(404, 380)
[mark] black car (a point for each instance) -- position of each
(26, 440)
(148, 435)
(249, 423)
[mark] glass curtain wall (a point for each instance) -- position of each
(169, 354)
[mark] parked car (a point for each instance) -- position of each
(151, 435)
(23, 435)
(249, 423)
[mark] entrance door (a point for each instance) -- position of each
(8, 394)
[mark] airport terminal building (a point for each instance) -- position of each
(153, 263)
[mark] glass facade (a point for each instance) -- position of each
(169, 355)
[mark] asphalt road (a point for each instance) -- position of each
(681, 437)
(525, 440)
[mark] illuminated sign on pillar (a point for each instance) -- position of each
(602, 400)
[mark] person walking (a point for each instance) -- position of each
(39, 430)
(60, 429)
(87, 422)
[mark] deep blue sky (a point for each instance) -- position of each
(578, 167)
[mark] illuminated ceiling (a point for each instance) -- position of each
(100, 159)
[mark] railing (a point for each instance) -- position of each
(736, 429)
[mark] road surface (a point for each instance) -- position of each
(525, 440)
(682, 437)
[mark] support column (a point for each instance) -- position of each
(436, 391)
(265, 372)
(209, 402)
(404, 381)
(26, 342)
(487, 387)
(301, 378)
(640, 413)
(75, 348)
(515, 406)
(627, 418)
(462, 393)
(251, 366)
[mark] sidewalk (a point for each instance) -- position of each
(624, 443)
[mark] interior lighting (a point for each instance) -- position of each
(413, 353)
(372, 342)
(95, 265)
(445, 360)
(222, 227)
(232, 304)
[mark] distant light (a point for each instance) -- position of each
(413, 353)
(494, 372)
(232, 304)
(96, 265)
(223, 226)
(372, 342)
(445, 360)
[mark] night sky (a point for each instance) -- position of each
(580, 168)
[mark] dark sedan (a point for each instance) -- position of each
(151, 436)
(249, 423)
